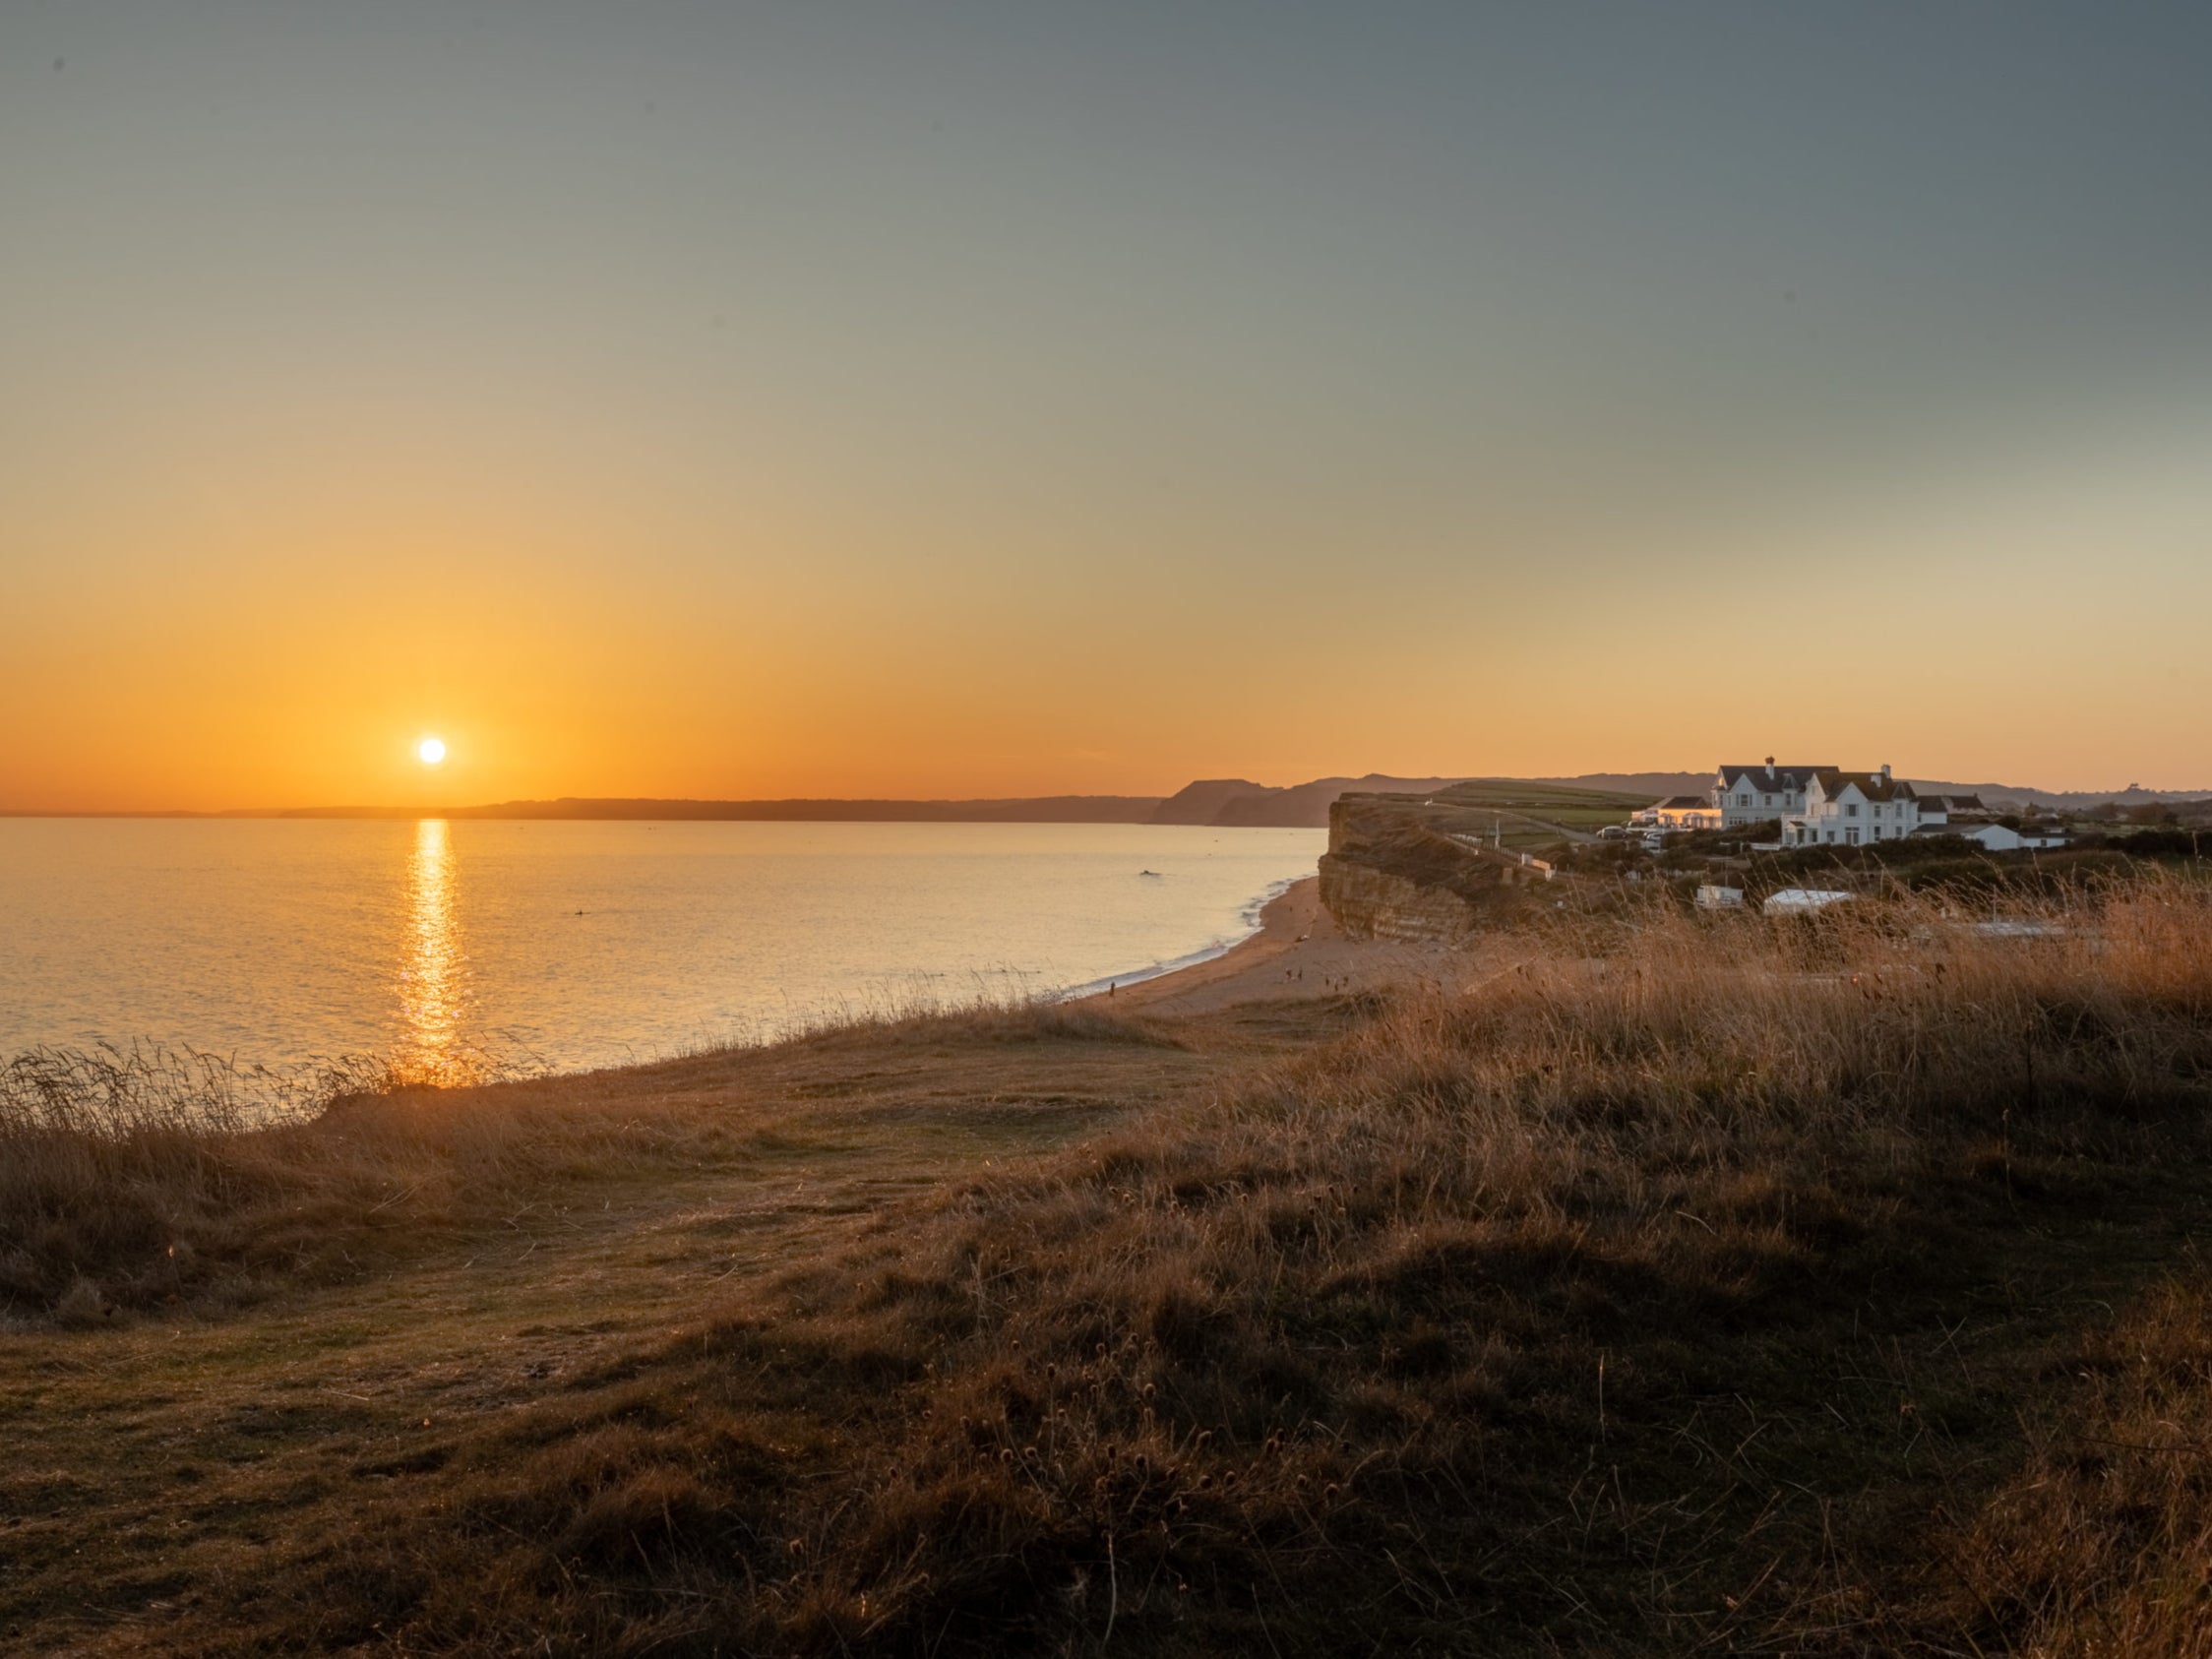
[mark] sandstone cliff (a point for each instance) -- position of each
(1372, 904)
(1387, 876)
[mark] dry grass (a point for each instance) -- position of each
(131, 1179)
(1684, 1285)
(2102, 1545)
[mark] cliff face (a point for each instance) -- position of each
(1372, 904)
(1385, 876)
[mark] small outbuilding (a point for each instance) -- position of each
(2002, 837)
(1944, 809)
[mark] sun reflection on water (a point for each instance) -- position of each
(433, 968)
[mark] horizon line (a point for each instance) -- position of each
(940, 802)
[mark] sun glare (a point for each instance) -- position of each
(432, 750)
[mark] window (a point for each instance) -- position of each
(1851, 838)
(1850, 809)
(1877, 832)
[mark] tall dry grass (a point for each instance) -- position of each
(135, 1177)
(2101, 1546)
(140, 1176)
(1676, 1288)
(1683, 1284)
(1375, 1324)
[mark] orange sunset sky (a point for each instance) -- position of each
(997, 400)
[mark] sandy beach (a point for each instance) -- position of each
(1298, 953)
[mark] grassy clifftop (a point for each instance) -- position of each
(1440, 866)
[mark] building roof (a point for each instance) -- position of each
(1784, 777)
(1685, 803)
(1952, 803)
(1871, 784)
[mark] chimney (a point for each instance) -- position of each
(1885, 772)
(1771, 769)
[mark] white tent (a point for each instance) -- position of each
(1802, 902)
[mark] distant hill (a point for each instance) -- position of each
(1202, 802)
(1226, 802)
(1302, 806)
(2017, 795)
(1041, 809)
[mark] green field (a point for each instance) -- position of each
(1578, 809)
(1522, 816)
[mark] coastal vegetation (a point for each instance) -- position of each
(1938, 866)
(1631, 1282)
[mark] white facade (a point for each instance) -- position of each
(1755, 794)
(1852, 809)
(1997, 838)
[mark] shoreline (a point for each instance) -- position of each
(1298, 953)
(1255, 914)
(831, 942)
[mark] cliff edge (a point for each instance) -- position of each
(1388, 875)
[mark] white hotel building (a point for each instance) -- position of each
(1850, 808)
(1758, 794)
(1825, 806)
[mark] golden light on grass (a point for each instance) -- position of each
(432, 750)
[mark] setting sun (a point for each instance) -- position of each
(432, 750)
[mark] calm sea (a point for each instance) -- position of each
(582, 944)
